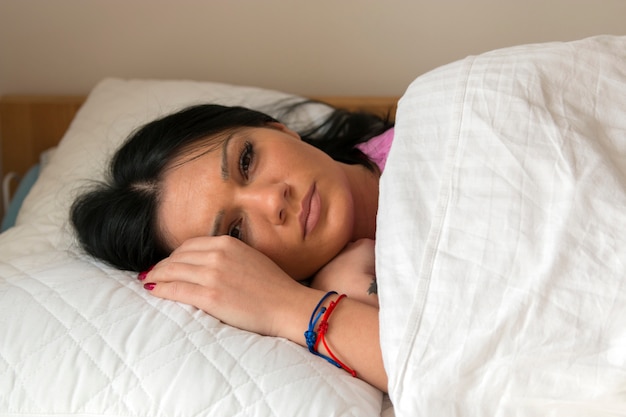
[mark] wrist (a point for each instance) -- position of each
(293, 319)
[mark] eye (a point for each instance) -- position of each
(235, 231)
(245, 159)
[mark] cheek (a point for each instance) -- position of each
(340, 216)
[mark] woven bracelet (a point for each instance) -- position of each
(313, 338)
(323, 328)
(310, 335)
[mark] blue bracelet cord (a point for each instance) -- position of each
(311, 335)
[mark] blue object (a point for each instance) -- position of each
(23, 188)
(311, 336)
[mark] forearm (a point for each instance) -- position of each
(353, 333)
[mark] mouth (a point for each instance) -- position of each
(310, 213)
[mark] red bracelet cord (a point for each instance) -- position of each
(323, 328)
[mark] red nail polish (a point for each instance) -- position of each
(142, 275)
(149, 286)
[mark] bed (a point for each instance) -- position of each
(500, 257)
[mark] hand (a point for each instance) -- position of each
(352, 272)
(240, 286)
(230, 281)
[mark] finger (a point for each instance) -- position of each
(212, 302)
(208, 243)
(180, 291)
(179, 271)
(206, 251)
(211, 258)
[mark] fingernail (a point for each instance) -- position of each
(142, 275)
(149, 286)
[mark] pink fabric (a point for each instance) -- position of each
(377, 148)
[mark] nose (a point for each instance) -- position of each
(269, 200)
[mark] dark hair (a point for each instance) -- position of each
(341, 131)
(116, 221)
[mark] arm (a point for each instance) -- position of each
(352, 334)
(242, 287)
(352, 272)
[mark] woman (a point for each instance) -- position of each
(226, 209)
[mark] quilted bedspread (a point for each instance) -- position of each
(501, 242)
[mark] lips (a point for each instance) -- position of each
(310, 213)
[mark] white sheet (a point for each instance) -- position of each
(501, 247)
(80, 338)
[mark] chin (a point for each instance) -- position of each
(299, 274)
(303, 276)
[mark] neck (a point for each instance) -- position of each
(364, 184)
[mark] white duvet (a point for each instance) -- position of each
(501, 246)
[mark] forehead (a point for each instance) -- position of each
(183, 208)
(197, 148)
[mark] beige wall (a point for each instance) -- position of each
(361, 47)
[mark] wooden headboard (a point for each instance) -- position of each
(31, 124)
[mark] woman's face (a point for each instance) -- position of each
(266, 187)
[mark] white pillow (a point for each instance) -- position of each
(81, 337)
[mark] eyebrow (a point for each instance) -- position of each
(217, 224)
(224, 165)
